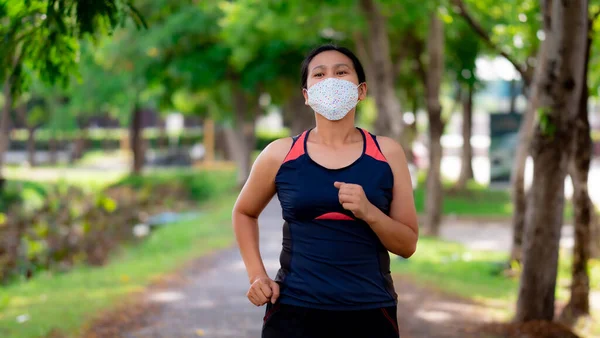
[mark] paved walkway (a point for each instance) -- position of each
(213, 304)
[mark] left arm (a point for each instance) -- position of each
(399, 231)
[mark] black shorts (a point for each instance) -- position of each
(287, 321)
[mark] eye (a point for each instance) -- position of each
(342, 72)
(318, 74)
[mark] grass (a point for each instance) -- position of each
(95, 157)
(91, 179)
(84, 178)
(476, 200)
(48, 300)
(477, 274)
(474, 274)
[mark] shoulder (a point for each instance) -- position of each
(275, 152)
(391, 149)
(396, 159)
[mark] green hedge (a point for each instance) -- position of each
(199, 185)
(100, 140)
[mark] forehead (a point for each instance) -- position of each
(329, 59)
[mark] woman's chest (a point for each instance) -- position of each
(307, 193)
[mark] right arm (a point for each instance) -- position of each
(258, 190)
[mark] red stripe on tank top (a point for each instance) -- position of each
(297, 149)
(338, 216)
(371, 148)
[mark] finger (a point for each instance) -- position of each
(265, 289)
(348, 199)
(253, 299)
(347, 189)
(275, 289)
(344, 199)
(355, 188)
(338, 184)
(349, 206)
(260, 297)
(346, 193)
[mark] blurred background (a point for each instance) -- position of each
(128, 127)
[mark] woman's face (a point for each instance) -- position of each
(332, 63)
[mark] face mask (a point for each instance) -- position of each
(333, 98)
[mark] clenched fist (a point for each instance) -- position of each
(353, 198)
(263, 290)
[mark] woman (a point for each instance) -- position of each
(347, 200)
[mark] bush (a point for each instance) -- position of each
(59, 226)
(198, 185)
(110, 139)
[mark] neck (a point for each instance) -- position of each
(335, 132)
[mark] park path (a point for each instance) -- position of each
(211, 302)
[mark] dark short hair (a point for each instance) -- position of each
(327, 47)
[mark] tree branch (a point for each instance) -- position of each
(594, 17)
(476, 26)
(420, 66)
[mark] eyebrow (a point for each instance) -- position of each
(334, 66)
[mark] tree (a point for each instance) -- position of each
(44, 34)
(560, 93)
(463, 48)
(502, 14)
(380, 65)
(267, 55)
(139, 70)
(579, 166)
(434, 72)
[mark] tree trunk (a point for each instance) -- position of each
(381, 125)
(53, 150)
(363, 53)
(31, 129)
(241, 139)
(136, 140)
(434, 195)
(466, 161)
(222, 146)
(595, 234)
(31, 146)
(579, 303)
(513, 97)
(561, 86)
(106, 142)
(5, 123)
(297, 115)
(80, 141)
(388, 105)
(163, 139)
(522, 153)
(410, 132)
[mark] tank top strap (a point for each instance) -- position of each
(372, 148)
(298, 147)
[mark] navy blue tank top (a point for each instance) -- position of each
(330, 259)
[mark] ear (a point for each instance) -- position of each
(305, 94)
(362, 91)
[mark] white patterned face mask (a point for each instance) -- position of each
(333, 98)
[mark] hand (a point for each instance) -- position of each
(353, 198)
(262, 290)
